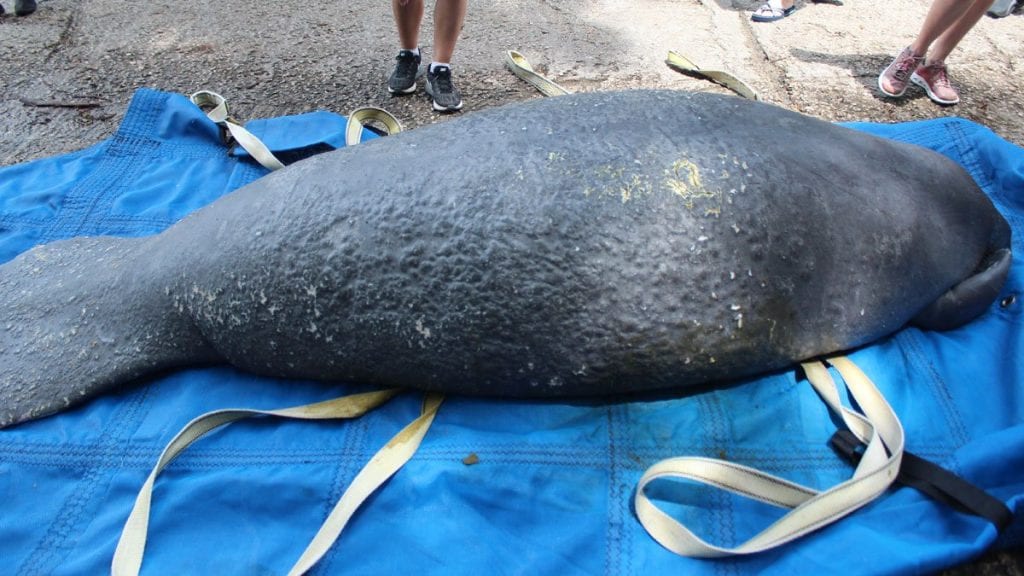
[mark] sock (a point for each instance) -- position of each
(434, 65)
(415, 51)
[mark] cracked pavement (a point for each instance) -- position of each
(70, 68)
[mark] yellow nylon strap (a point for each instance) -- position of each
(216, 108)
(683, 64)
(382, 466)
(360, 116)
(131, 546)
(809, 509)
(520, 66)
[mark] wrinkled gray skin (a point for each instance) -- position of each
(587, 244)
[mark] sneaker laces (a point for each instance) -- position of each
(406, 63)
(443, 79)
(939, 76)
(905, 65)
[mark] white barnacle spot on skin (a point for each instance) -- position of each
(424, 331)
(555, 382)
(739, 321)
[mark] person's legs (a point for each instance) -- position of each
(448, 17)
(932, 75)
(941, 15)
(408, 16)
(948, 40)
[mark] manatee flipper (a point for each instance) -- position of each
(970, 298)
(80, 317)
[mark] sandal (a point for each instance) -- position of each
(771, 11)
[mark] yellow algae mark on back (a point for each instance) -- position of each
(610, 172)
(634, 188)
(683, 179)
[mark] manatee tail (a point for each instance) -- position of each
(971, 297)
(77, 318)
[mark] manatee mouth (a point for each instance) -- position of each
(971, 297)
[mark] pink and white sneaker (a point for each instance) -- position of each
(935, 81)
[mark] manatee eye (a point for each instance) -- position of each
(1008, 301)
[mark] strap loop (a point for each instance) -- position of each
(216, 108)
(809, 508)
(360, 116)
(131, 546)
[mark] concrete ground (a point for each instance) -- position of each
(69, 70)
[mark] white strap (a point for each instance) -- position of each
(216, 108)
(382, 466)
(131, 546)
(809, 508)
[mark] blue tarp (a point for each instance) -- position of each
(552, 491)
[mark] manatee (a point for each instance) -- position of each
(584, 245)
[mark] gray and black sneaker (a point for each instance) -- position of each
(24, 7)
(407, 70)
(440, 87)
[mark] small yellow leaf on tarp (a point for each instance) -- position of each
(471, 459)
